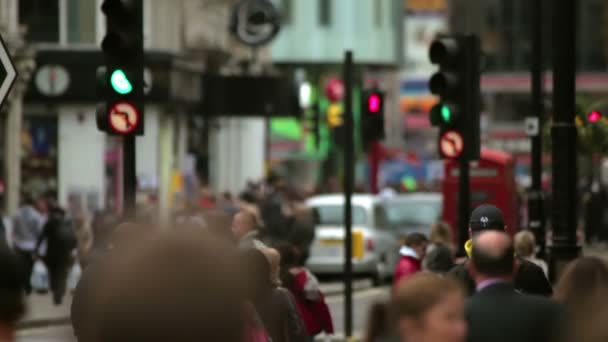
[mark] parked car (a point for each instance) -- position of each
(375, 247)
(413, 213)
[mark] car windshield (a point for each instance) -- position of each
(412, 212)
(334, 215)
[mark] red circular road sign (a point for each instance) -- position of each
(124, 117)
(451, 144)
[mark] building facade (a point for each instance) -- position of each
(62, 150)
(311, 45)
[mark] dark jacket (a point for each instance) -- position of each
(529, 278)
(280, 316)
(61, 240)
(498, 313)
(439, 259)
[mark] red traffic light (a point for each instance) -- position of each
(594, 116)
(374, 103)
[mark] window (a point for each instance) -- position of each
(324, 12)
(380, 217)
(59, 21)
(378, 13)
(41, 17)
(286, 11)
(81, 21)
(333, 215)
(412, 213)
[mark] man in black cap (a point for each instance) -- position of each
(529, 278)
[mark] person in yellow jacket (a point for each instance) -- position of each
(529, 278)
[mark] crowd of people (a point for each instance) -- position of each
(234, 270)
(499, 292)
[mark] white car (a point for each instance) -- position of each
(375, 247)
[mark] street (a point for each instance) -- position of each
(362, 301)
(49, 334)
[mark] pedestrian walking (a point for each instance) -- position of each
(12, 301)
(27, 227)
(497, 312)
(430, 308)
(304, 287)
(60, 237)
(583, 289)
(440, 252)
(525, 247)
(411, 256)
(245, 230)
(275, 305)
(529, 278)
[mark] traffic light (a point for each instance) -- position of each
(594, 116)
(372, 116)
(334, 116)
(120, 81)
(457, 85)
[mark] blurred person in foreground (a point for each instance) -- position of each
(411, 256)
(529, 278)
(525, 247)
(181, 286)
(274, 304)
(583, 290)
(440, 252)
(305, 289)
(245, 230)
(430, 308)
(12, 301)
(85, 302)
(497, 312)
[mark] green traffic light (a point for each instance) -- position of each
(446, 114)
(120, 82)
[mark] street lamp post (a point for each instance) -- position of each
(564, 137)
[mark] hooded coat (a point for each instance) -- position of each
(409, 264)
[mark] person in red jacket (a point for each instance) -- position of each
(411, 256)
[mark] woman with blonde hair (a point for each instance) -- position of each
(525, 247)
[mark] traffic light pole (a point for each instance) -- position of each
(348, 190)
(564, 137)
(129, 175)
(536, 214)
(464, 204)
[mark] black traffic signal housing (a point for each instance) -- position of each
(121, 80)
(457, 83)
(372, 116)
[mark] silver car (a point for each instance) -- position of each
(413, 213)
(375, 247)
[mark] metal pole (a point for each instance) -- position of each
(348, 190)
(129, 175)
(536, 214)
(464, 204)
(564, 135)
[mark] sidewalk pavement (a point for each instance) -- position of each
(41, 312)
(337, 288)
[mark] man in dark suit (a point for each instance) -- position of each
(528, 278)
(497, 312)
